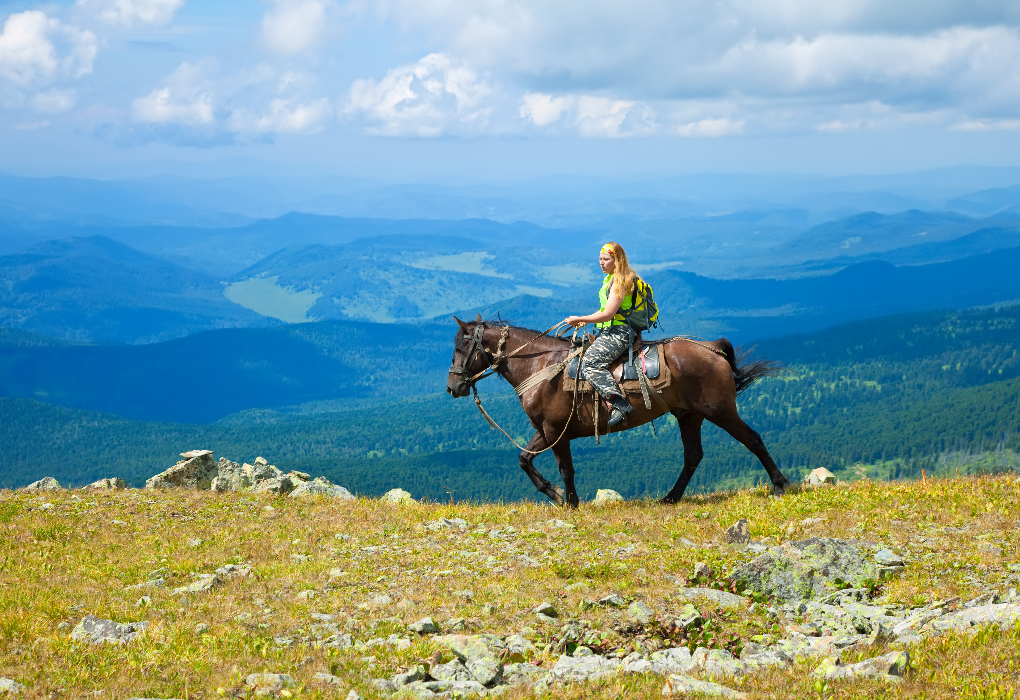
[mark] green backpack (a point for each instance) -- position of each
(643, 312)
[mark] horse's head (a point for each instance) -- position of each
(469, 356)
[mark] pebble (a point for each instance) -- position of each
(546, 609)
(614, 600)
(424, 626)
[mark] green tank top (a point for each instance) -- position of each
(618, 319)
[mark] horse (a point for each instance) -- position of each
(706, 380)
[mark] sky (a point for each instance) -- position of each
(404, 90)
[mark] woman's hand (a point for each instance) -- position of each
(575, 321)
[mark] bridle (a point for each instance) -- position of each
(476, 345)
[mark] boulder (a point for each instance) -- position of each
(739, 532)
(278, 486)
(96, 630)
(320, 486)
(721, 598)
(574, 669)
(195, 471)
(641, 613)
(397, 496)
(424, 626)
(260, 471)
(230, 476)
(889, 666)
(808, 569)
(607, 496)
(678, 684)
(113, 484)
(47, 483)
(820, 477)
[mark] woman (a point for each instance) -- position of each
(613, 337)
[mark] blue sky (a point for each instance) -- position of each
(433, 89)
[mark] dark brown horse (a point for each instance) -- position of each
(704, 386)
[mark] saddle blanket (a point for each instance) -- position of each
(648, 359)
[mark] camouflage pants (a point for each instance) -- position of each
(609, 345)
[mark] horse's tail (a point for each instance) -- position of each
(744, 375)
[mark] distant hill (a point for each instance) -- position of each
(95, 289)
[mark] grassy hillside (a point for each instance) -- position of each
(321, 570)
(884, 398)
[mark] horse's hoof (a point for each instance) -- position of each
(558, 496)
(780, 488)
(669, 501)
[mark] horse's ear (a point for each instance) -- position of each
(479, 319)
(463, 326)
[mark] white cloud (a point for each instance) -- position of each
(427, 98)
(187, 99)
(988, 125)
(36, 49)
(543, 110)
(283, 116)
(133, 12)
(54, 101)
(722, 126)
(294, 26)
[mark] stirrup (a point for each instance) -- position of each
(619, 412)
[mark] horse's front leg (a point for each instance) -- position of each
(555, 493)
(565, 461)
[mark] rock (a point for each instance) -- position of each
(641, 613)
(820, 477)
(416, 673)
(613, 600)
(561, 524)
(353, 695)
(383, 685)
(268, 683)
(113, 484)
(487, 670)
(690, 617)
(195, 471)
(521, 674)
(738, 533)
(202, 583)
(260, 471)
(518, 648)
(47, 483)
(1004, 615)
(605, 497)
(465, 647)
(453, 671)
(570, 669)
(682, 685)
(397, 496)
(230, 571)
(143, 602)
(10, 687)
(302, 476)
(327, 679)
(889, 666)
(380, 600)
(277, 486)
(457, 689)
(720, 598)
(320, 486)
(446, 524)
(718, 662)
(152, 583)
(675, 660)
(887, 557)
(230, 476)
(201, 628)
(95, 630)
(545, 609)
(702, 570)
(424, 626)
(796, 571)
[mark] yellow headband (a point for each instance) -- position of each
(607, 248)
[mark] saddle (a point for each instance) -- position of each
(647, 358)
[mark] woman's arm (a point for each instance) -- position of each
(612, 306)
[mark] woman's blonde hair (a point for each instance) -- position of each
(623, 275)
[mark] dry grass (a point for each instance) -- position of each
(73, 559)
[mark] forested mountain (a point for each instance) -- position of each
(883, 398)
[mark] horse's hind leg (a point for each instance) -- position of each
(555, 493)
(732, 423)
(565, 461)
(690, 433)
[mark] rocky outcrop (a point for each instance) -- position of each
(96, 630)
(114, 484)
(809, 569)
(230, 476)
(195, 471)
(320, 486)
(47, 483)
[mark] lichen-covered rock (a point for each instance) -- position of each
(720, 598)
(230, 476)
(682, 685)
(195, 471)
(572, 669)
(47, 483)
(320, 486)
(201, 584)
(11, 687)
(889, 666)
(277, 486)
(397, 496)
(1004, 615)
(424, 626)
(605, 497)
(268, 683)
(812, 568)
(113, 484)
(641, 613)
(739, 532)
(96, 630)
(820, 477)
